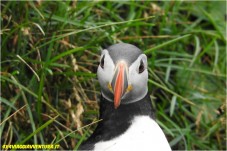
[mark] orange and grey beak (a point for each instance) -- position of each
(119, 82)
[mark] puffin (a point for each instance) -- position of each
(127, 118)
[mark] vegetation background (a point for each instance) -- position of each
(50, 52)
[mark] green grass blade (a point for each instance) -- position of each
(172, 106)
(216, 55)
(166, 43)
(67, 53)
(168, 70)
(8, 103)
(197, 51)
(172, 92)
(38, 130)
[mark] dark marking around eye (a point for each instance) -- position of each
(102, 61)
(141, 67)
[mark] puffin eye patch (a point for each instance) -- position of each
(102, 61)
(141, 67)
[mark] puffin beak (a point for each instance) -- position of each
(119, 82)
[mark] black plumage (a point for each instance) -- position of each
(116, 121)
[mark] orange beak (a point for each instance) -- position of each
(119, 83)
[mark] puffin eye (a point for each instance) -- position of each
(141, 67)
(102, 61)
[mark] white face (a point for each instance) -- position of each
(137, 78)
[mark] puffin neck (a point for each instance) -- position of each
(116, 121)
(125, 111)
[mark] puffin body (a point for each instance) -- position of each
(128, 120)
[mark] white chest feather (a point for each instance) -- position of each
(143, 135)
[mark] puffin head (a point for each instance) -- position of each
(122, 74)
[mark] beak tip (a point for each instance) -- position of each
(116, 104)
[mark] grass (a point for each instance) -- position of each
(50, 53)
